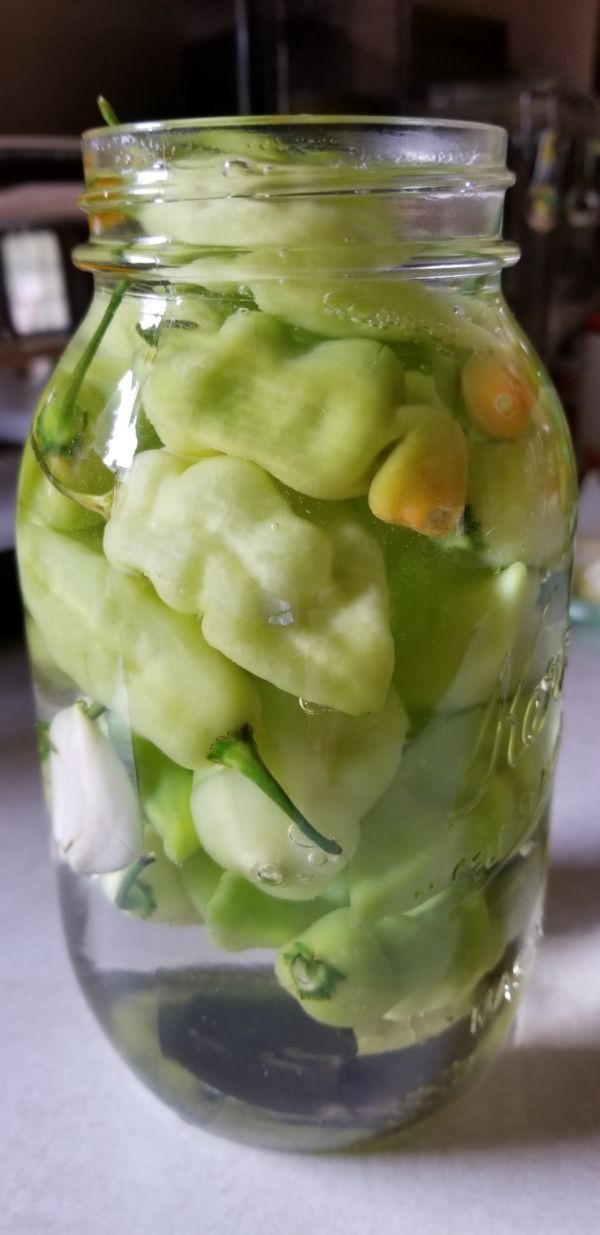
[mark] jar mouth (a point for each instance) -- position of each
(364, 188)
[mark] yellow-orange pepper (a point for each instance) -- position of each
(104, 217)
(422, 484)
(498, 397)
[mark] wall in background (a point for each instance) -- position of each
(57, 55)
(155, 58)
(554, 38)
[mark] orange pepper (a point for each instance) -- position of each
(498, 397)
(422, 484)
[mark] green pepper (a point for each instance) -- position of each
(453, 949)
(315, 752)
(390, 310)
(449, 816)
(302, 606)
(454, 622)
(165, 789)
(515, 893)
(39, 501)
(519, 493)
(127, 650)
(200, 877)
(90, 422)
(317, 419)
(239, 916)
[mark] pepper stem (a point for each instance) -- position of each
(238, 750)
(109, 116)
(62, 422)
(135, 895)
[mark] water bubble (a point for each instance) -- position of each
(282, 614)
(460, 870)
(298, 838)
(314, 709)
(267, 872)
(236, 167)
(316, 857)
(274, 526)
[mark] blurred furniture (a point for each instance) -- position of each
(42, 299)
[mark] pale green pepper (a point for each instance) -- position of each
(332, 768)
(127, 650)
(304, 607)
(339, 971)
(151, 888)
(317, 419)
(243, 829)
(348, 973)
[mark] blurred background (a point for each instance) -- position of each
(532, 66)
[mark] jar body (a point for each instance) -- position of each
(294, 553)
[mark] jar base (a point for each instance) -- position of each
(232, 1053)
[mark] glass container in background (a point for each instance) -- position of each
(295, 530)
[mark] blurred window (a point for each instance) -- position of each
(34, 282)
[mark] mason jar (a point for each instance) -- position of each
(294, 531)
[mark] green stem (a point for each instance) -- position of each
(62, 421)
(238, 750)
(109, 116)
(133, 894)
(312, 977)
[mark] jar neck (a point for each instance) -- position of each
(267, 198)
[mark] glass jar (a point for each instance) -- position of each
(295, 527)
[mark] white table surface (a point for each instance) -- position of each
(84, 1150)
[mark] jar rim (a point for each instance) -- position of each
(281, 120)
(440, 141)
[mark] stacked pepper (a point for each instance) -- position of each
(283, 556)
